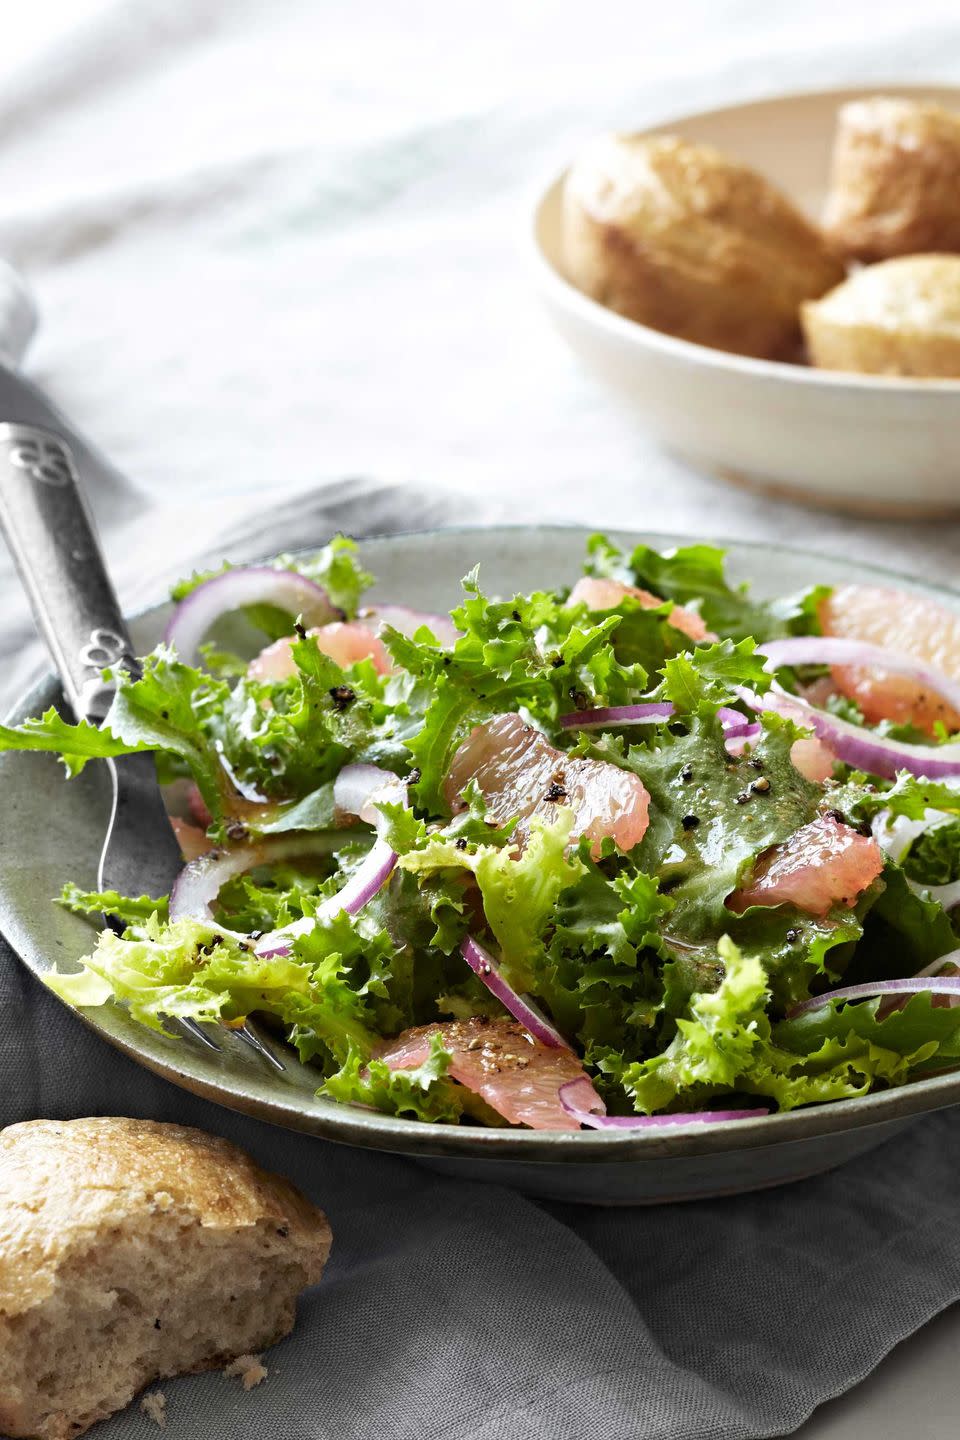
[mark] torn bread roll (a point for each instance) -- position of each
(687, 241)
(130, 1251)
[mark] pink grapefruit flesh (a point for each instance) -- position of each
(901, 621)
(521, 775)
(823, 864)
(516, 1075)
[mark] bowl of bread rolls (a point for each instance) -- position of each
(774, 290)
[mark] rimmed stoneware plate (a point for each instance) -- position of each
(51, 833)
(873, 444)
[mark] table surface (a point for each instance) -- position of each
(246, 285)
(913, 1392)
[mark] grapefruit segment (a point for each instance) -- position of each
(191, 839)
(516, 1075)
(813, 759)
(897, 620)
(520, 775)
(344, 642)
(599, 594)
(822, 864)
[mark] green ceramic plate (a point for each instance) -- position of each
(423, 570)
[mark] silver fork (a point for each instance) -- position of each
(50, 533)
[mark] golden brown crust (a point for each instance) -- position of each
(901, 317)
(895, 180)
(686, 241)
(63, 1183)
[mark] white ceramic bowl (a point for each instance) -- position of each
(877, 444)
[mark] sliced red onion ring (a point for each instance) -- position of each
(579, 1099)
(912, 985)
(833, 650)
(946, 895)
(736, 726)
(895, 840)
(738, 737)
(617, 715)
(408, 622)
(247, 585)
(952, 957)
(366, 881)
(746, 730)
(358, 789)
(246, 791)
(521, 1007)
(201, 880)
(861, 748)
(731, 719)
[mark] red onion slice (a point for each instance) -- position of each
(246, 791)
(952, 957)
(895, 840)
(861, 748)
(747, 731)
(521, 1007)
(201, 880)
(912, 985)
(247, 585)
(946, 895)
(366, 881)
(617, 715)
(834, 650)
(408, 622)
(358, 789)
(579, 1099)
(736, 727)
(731, 719)
(363, 884)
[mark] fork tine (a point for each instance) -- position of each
(251, 1038)
(191, 1028)
(196, 1033)
(243, 1032)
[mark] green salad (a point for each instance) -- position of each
(641, 851)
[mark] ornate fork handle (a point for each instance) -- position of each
(51, 537)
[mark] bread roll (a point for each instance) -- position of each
(895, 183)
(901, 317)
(129, 1251)
(684, 240)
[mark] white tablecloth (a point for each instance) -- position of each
(277, 242)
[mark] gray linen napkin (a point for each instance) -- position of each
(454, 1311)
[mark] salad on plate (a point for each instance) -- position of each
(644, 851)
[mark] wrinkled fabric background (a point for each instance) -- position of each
(277, 245)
